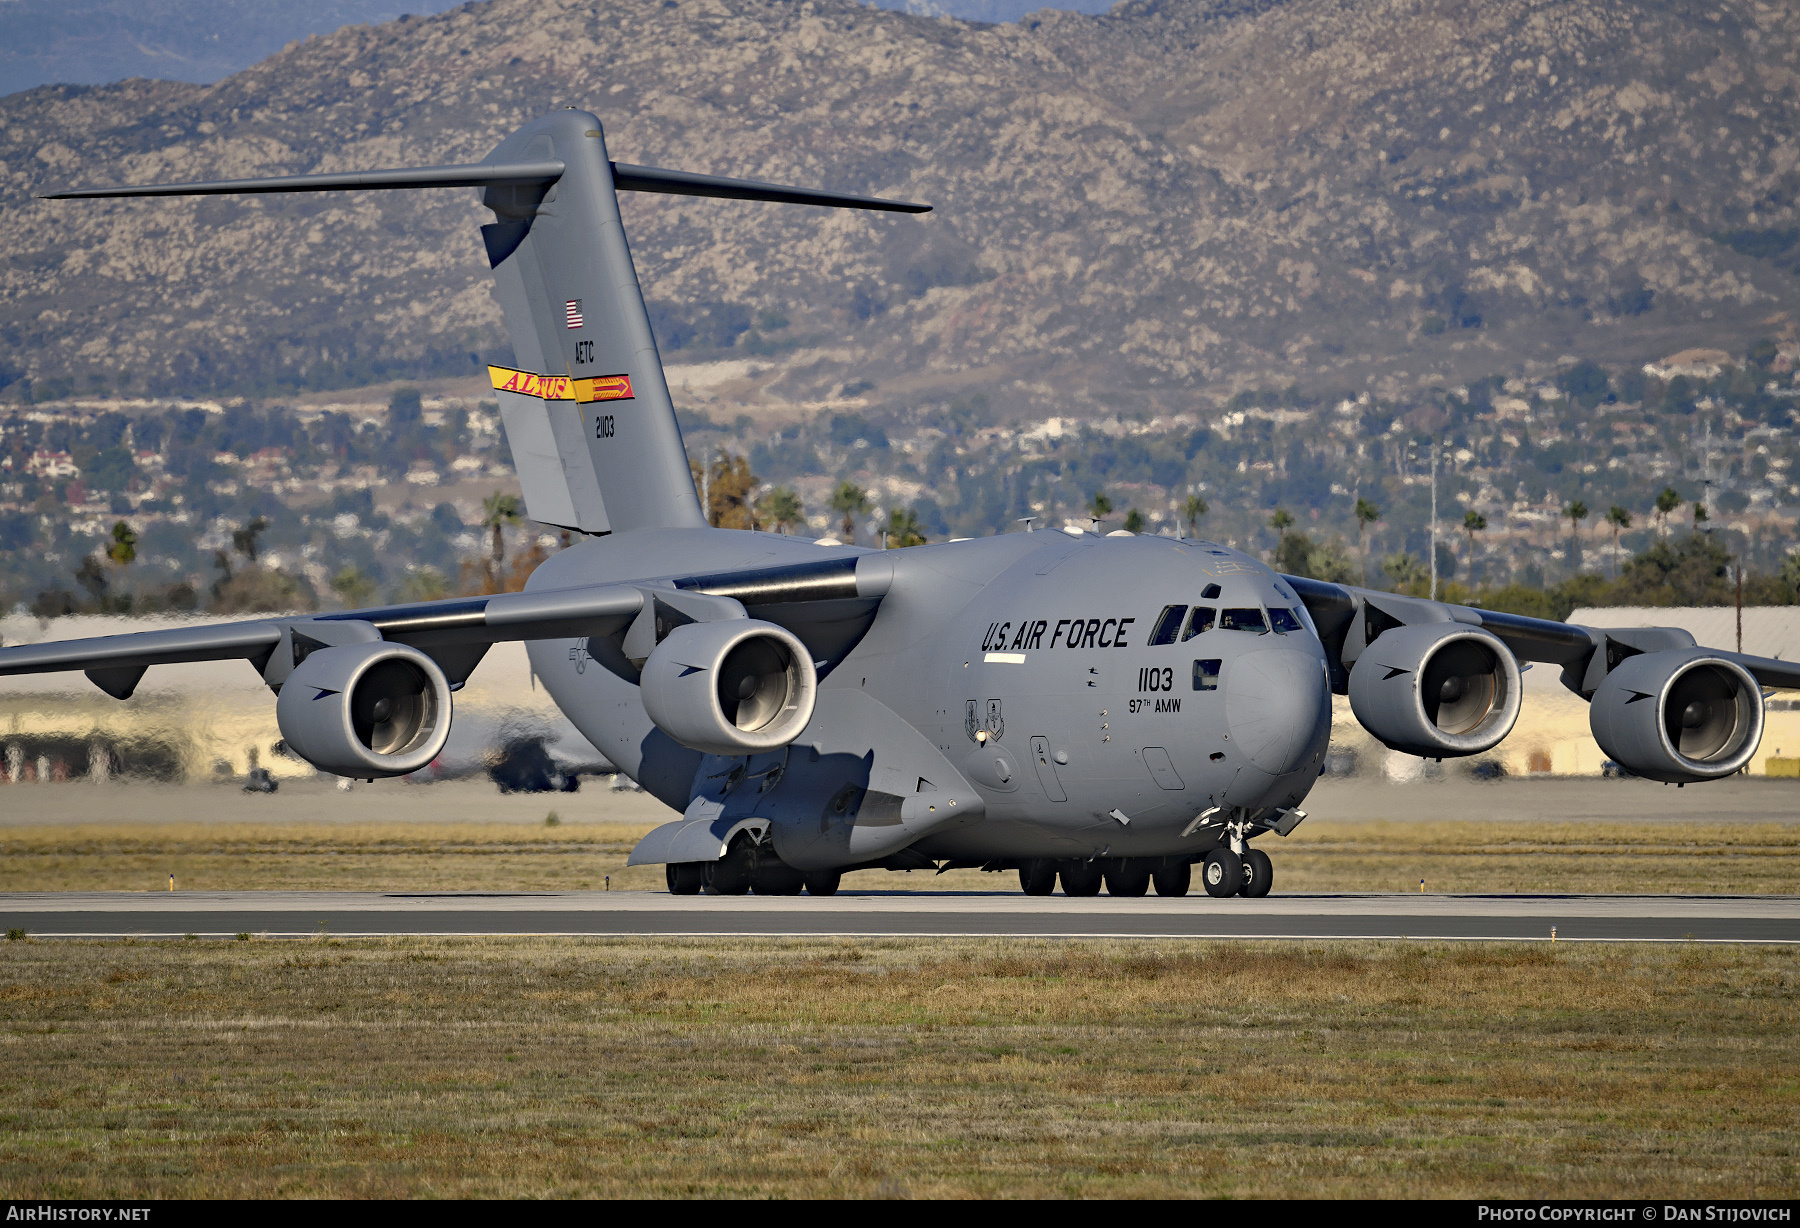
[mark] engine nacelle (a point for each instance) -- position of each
(731, 687)
(365, 710)
(1678, 716)
(1436, 689)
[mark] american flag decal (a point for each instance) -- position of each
(572, 313)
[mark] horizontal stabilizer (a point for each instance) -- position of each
(478, 175)
(481, 175)
(684, 183)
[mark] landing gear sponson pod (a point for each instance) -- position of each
(1099, 712)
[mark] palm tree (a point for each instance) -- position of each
(1576, 512)
(903, 529)
(1620, 520)
(1196, 508)
(1281, 522)
(1666, 503)
(852, 500)
(1700, 516)
(500, 512)
(1366, 514)
(1134, 521)
(1473, 522)
(781, 507)
(245, 538)
(1099, 508)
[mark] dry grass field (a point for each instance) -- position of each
(798, 1067)
(1323, 855)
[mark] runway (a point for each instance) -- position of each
(283, 914)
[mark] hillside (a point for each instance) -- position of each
(1142, 211)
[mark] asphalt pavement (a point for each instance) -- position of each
(289, 914)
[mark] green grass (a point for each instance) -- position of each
(526, 1067)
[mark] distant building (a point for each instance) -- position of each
(1695, 364)
(52, 464)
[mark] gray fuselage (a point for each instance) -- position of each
(1027, 660)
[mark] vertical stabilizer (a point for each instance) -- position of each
(586, 409)
(587, 414)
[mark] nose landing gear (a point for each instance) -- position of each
(1228, 872)
(1259, 873)
(1223, 873)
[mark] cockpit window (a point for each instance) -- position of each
(1284, 620)
(1168, 624)
(1243, 620)
(1211, 593)
(1201, 621)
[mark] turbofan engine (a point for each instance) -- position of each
(1436, 689)
(365, 710)
(730, 687)
(1678, 716)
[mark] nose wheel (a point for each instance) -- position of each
(1223, 873)
(1259, 873)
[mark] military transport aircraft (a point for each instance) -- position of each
(1096, 708)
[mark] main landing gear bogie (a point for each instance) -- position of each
(1133, 877)
(745, 868)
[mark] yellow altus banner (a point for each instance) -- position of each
(562, 387)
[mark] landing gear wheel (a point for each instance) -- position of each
(1173, 880)
(723, 878)
(1037, 877)
(1081, 877)
(776, 877)
(733, 873)
(685, 877)
(1259, 873)
(823, 882)
(1222, 872)
(1127, 877)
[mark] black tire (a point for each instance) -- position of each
(1037, 877)
(1259, 874)
(686, 877)
(733, 873)
(1173, 880)
(823, 882)
(1223, 873)
(1128, 877)
(776, 877)
(1081, 877)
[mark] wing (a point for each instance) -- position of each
(828, 604)
(1349, 619)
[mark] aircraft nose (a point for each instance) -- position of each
(1276, 703)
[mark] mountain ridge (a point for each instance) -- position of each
(1162, 204)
